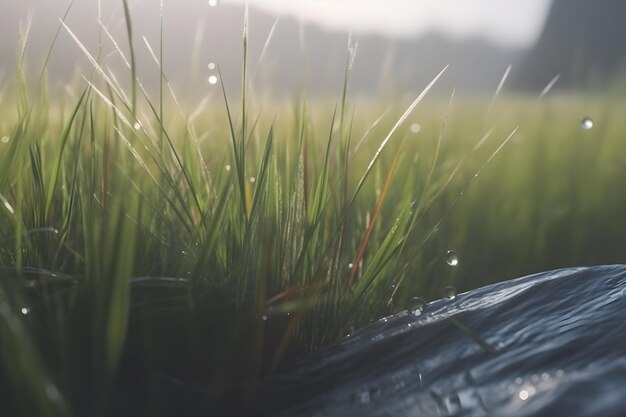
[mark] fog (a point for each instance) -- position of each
(402, 44)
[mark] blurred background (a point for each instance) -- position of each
(402, 44)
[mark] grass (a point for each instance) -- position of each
(138, 246)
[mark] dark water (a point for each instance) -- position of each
(560, 350)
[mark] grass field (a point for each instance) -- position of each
(144, 239)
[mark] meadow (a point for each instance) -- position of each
(145, 240)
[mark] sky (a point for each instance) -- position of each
(509, 22)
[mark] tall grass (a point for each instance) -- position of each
(136, 249)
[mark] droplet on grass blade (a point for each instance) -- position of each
(449, 293)
(5, 139)
(25, 311)
(211, 65)
(415, 128)
(452, 258)
(213, 3)
(586, 123)
(416, 306)
(212, 79)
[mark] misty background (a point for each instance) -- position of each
(401, 44)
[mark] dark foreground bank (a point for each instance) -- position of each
(549, 344)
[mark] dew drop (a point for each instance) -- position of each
(184, 253)
(350, 265)
(523, 395)
(211, 65)
(25, 311)
(213, 80)
(213, 3)
(452, 258)
(252, 180)
(264, 317)
(5, 139)
(449, 293)
(137, 125)
(52, 392)
(361, 397)
(416, 306)
(415, 128)
(586, 123)
(227, 167)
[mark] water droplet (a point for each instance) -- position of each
(415, 128)
(545, 376)
(264, 317)
(527, 392)
(452, 258)
(5, 139)
(213, 80)
(416, 306)
(449, 293)
(518, 380)
(25, 311)
(586, 123)
(211, 65)
(52, 392)
(350, 265)
(362, 397)
(213, 3)
(252, 180)
(184, 253)
(453, 403)
(227, 167)
(137, 125)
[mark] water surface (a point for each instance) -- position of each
(549, 344)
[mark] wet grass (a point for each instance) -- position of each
(140, 246)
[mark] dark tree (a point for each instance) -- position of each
(583, 40)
